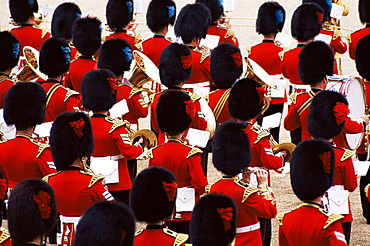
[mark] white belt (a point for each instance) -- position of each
(248, 228)
(194, 85)
(336, 187)
(104, 158)
(69, 219)
(301, 87)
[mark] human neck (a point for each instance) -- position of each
(28, 131)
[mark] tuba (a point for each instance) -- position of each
(30, 70)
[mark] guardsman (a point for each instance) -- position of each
(226, 68)
(86, 37)
(311, 175)
(106, 223)
(119, 14)
(28, 34)
(32, 212)
(75, 189)
(111, 139)
(54, 61)
(332, 107)
(159, 16)
(9, 51)
(231, 155)
(270, 21)
(354, 38)
(223, 31)
(23, 157)
(153, 198)
(192, 25)
(62, 21)
(175, 111)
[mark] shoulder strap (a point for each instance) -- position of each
(180, 239)
(306, 104)
(193, 151)
(46, 178)
(332, 218)
(51, 91)
(5, 235)
(221, 104)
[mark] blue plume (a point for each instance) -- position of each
(330, 5)
(67, 54)
(15, 50)
(78, 15)
(31, 3)
(101, 29)
(129, 7)
(128, 53)
(279, 14)
(171, 11)
(219, 3)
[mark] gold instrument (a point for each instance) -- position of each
(30, 70)
(288, 147)
(149, 138)
(2, 139)
(257, 73)
(144, 71)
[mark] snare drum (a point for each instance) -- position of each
(353, 89)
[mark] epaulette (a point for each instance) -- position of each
(42, 147)
(139, 232)
(5, 235)
(332, 218)
(337, 33)
(116, 123)
(3, 78)
(266, 192)
(279, 217)
(281, 53)
(70, 93)
(138, 43)
(249, 50)
(44, 31)
(94, 178)
(367, 190)
(261, 133)
(134, 91)
(204, 55)
(293, 97)
(193, 151)
(179, 237)
(150, 153)
(46, 178)
(349, 36)
(347, 154)
(195, 97)
(228, 33)
(206, 97)
(249, 190)
(208, 188)
(151, 97)
(168, 39)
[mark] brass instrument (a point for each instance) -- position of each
(149, 138)
(257, 73)
(2, 139)
(288, 147)
(30, 70)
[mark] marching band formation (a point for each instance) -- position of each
(71, 100)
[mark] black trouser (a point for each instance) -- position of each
(347, 230)
(296, 135)
(265, 229)
(122, 196)
(132, 168)
(273, 109)
(364, 180)
(180, 227)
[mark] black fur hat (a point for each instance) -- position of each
(104, 224)
(171, 112)
(312, 169)
(230, 148)
(316, 61)
(119, 13)
(160, 14)
(324, 109)
(55, 56)
(25, 105)
(226, 65)
(22, 10)
(63, 17)
(307, 21)
(25, 221)
(362, 57)
(207, 227)
(326, 5)
(86, 35)
(115, 55)
(245, 102)
(193, 22)
(97, 92)
(270, 18)
(175, 64)
(70, 138)
(148, 199)
(215, 6)
(9, 51)
(364, 11)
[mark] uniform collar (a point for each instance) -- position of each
(367, 25)
(300, 45)
(50, 81)
(174, 140)
(151, 227)
(4, 74)
(22, 25)
(98, 116)
(23, 135)
(312, 204)
(119, 31)
(226, 176)
(268, 41)
(158, 36)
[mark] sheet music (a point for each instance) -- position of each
(197, 137)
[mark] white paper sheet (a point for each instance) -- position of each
(361, 167)
(336, 11)
(271, 121)
(119, 109)
(198, 137)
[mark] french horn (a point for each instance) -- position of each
(257, 73)
(149, 138)
(30, 70)
(288, 147)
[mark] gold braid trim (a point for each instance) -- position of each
(332, 218)
(261, 133)
(193, 151)
(180, 239)
(116, 123)
(5, 235)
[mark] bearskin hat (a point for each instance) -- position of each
(86, 35)
(119, 13)
(55, 56)
(230, 148)
(71, 138)
(215, 6)
(25, 105)
(62, 21)
(160, 14)
(226, 65)
(22, 10)
(362, 57)
(307, 21)
(26, 219)
(312, 169)
(246, 99)
(193, 22)
(208, 226)
(98, 89)
(149, 199)
(175, 65)
(326, 5)
(270, 18)
(9, 51)
(364, 11)
(104, 224)
(115, 55)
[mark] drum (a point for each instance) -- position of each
(353, 89)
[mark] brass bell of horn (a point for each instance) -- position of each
(31, 70)
(257, 73)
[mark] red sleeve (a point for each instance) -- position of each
(100, 192)
(198, 180)
(199, 122)
(135, 106)
(126, 148)
(45, 163)
(67, 81)
(338, 45)
(267, 157)
(233, 40)
(335, 234)
(260, 207)
(349, 176)
(282, 239)
(352, 126)
(291, 120)
(73, 102)
(352, 48)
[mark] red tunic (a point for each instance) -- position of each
(133, 40)
(154, 46)
(29, 35)
(111, 138)
(226, 35)
(60, 99)
(5, 239)
(138, 108)
(290, 65)
(155, 235)
(336, 45)
(184, 162)
(350, 127)
(77, 71)
(22, 158)
(213, 98)
(310, 225)
(201, 67)
(250, 204)
(5, 84)
(354, 38)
